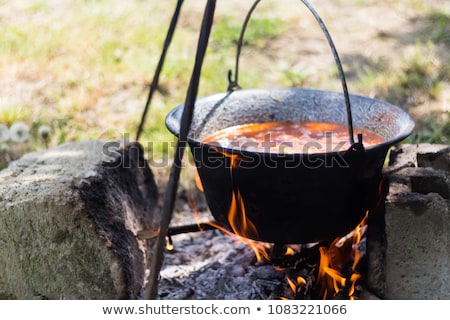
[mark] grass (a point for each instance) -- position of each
(416, 77)
(83, 67)
(436, 27)
(259, 31)
(13, 114)
(434, 128)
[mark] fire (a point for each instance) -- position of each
(241, 226)
(292, 284)
(244, 228)
(331, 280)
(169, 244)
(335, 275)
(260, 249)
(289, 251)
(342, 256)
(198, 182)
(237, 218)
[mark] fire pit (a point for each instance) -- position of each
(271, 196)
(214, 264)
(295, 197)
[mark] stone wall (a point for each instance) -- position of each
(409, 239)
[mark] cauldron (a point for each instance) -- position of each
(291, 198)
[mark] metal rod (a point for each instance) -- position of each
(233, 84)
(155, 81)
(172, 185)
(171, 231)
(199, 227)
(339, 66)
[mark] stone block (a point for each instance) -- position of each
(409, 238)
(418, 247)
(68, 222)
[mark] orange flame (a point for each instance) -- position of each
(289, 251)
(243, 227)
(237, 218)
(340, 253)
(301, 280)
(236, 208)
(198, 181)
(260, 249)
(354, 277)
(327, 275)
(169, 244)
(293, 285)
(359, 233)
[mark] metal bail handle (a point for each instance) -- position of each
(233, 84)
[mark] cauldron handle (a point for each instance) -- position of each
(233, 84)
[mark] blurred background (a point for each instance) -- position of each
(81, 69)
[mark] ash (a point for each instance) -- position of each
(217, 266)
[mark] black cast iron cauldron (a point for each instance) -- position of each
(291, 198)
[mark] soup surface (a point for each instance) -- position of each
(289, 137)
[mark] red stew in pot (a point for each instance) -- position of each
(289, 137)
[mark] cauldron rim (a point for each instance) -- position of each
(176, 112)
